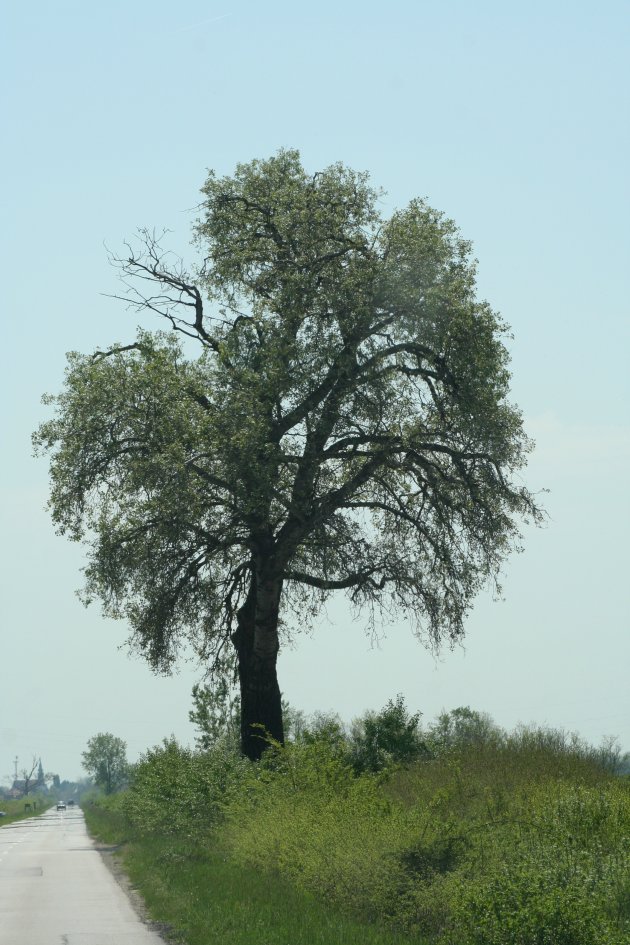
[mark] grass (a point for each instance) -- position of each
(203, 897)
(14, 809)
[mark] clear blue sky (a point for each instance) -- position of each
(512, 118)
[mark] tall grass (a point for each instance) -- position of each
(14, 808)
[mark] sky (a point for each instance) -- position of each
(510, 118)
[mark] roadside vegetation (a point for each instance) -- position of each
(13, 808)
(460, 834)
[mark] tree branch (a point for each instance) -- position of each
(150, 267)
(331, 584)
(118, 349)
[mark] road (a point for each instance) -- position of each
(56, 890)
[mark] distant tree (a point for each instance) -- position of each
(28, 781)
(460, 727)
(106, 760)
(610, 755)
(294, 721)
(321, 727)
(345, 426)
(392, 735)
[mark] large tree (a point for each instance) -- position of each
(342, 424)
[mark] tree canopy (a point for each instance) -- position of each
(327, 411)
(105, 758)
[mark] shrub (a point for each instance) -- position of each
(526, 907)
(392, 735)
(555, 875)
(492, 840)
(324, 727)
(177, 790)
(216, 713)
(329, 832)
(463, 859)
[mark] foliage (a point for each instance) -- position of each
(521, 839)
(563, 883)
(105, 815)
(564, 744)
(198, 894)
(216, 713)
(484, 853)
(177, 790)
(461, 727)
(528, 908)
(106, 760)
(298, 802)
(345, 425)
(323, 727)
(389, 736)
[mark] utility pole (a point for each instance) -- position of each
(16, 766)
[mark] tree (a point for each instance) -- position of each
(461, 728)
(106, 760)
(27, 776)
(343, 425)
(391, 735)
(216, 713)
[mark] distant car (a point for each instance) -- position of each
(61, 805)
(70, 803)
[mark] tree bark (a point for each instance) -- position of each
(256, 643)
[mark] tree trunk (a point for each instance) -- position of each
(256, 643)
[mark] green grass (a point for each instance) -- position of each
(14, 809)
(204, 898)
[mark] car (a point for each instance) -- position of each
(70, 803)
(61, 805)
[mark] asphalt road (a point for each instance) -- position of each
(56, 890)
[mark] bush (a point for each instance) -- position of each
(482, 850)
(525, 907)
(329, 832)
(390, 736)
(177, 790)
(555, 877)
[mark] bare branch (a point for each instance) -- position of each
(150, 266)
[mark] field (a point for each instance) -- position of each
(14, 809)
